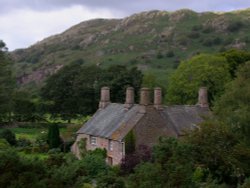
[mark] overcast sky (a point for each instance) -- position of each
(24, 22)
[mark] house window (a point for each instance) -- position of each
(92, 140)
(110, 145)
(123, 148)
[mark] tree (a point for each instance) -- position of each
(211, 71)
(6, 84)
(118, 78)
(53, 136)
(235, 58)
(72, 91)
(75, 89)
(24, 109)
(233, 107)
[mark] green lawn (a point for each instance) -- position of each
(31, 133)
(41, 156)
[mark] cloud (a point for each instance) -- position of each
(27, 26)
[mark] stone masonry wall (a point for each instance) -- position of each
(116, 154)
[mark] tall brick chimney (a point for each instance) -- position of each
(203, 98)
(145, 96)
(129, 98)
(105, 97)
(158, 98)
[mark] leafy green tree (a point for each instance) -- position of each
(218, 151)
(233, 107)
(235, 58)
(118, 78)
(94, 164)
(6, 84)
(53, 136)
(147, 175)
(24, 109)
(75, 89)
(202, 70)
(16, 171)
(110, 180)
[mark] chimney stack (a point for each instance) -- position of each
(158, 98)
(203, 98)
(129, 97)
(105, 97)
(145, 96)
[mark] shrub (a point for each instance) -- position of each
(196, 27)
(9, 136)
(23, 142)
(235, 26)
(53, 136)
(110, 180)
(4, 144)
(194, 35)
(159, 55)
(170, 53)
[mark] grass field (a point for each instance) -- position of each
(31, 133)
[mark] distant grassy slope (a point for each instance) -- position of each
(154, 41)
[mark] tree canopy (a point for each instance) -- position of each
(211, 71)
(233, 106)
(75, 89)
(6, 84)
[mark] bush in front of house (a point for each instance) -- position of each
(9, 136)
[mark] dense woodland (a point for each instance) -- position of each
(215, 155)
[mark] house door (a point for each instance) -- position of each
(110, 161)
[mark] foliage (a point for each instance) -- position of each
(110, 180)
(16, 171)
(94, 163)
(129, 162)
(147, 175)
(235, 58)
(23, 142)
(7, 84)
(202, 70)
(9, 136)
(233, 106)
(75, 89)
(4, 144)
(118, 78)
(176, 160)
(130, 142)
(24, 109)
(53, 136)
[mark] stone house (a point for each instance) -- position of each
(148, 121)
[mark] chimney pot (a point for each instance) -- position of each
(145, 96)
(129, 97)
(105, 97)
(158, 98)
(203, 97)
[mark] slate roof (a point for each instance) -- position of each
(114, 122)
(184, 117)
(106, 122)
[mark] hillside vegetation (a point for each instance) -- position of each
(154, 41)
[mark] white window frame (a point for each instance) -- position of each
(93, 140)
(111, 145)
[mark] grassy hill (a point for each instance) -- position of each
(154, 41)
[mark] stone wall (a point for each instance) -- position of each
(116, 154)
